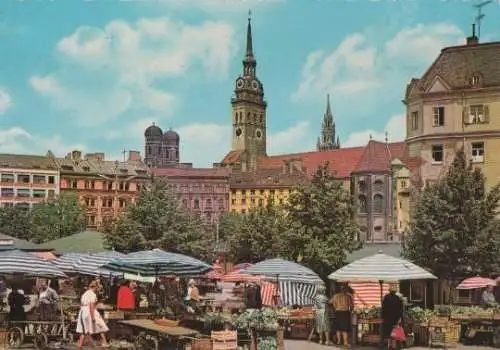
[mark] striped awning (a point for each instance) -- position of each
(238, 276)
(476, 283)
(48, 256)
(213, 275)
(157, 262)
(67, 262)
(381, 267)
(16, 262)
(268, 294)
(296, 293)
(367, 294)
(92, 264)
(284, 270)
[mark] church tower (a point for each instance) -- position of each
(249, 110)
(327, 139)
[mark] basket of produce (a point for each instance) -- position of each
(419, 316)
(165, 322)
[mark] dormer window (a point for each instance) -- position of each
(474, 81)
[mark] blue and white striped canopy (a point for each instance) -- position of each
(67, 261)
(294, 293)
(158, 263)
(381, 267)
(14, 262)
(92, 264)
(284, 270)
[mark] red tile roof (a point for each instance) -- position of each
(232, 157)
(341, 161)
(191, 172)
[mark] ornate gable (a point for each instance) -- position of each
(438, 85)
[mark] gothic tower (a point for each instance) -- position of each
(327, 139)
(249, 110)
(153, 146)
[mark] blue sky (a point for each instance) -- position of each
(92, 75)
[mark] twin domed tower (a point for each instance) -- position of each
(162, 149)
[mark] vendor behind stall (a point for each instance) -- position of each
(125, 297)
(16, 302)
(488, 297)
(192, 296)
(47, 299)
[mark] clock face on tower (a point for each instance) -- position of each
(258, 134)
(255, 85)
(239, 83)
(238, 132)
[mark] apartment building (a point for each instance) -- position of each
(27, 179)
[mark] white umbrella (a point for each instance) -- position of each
(381, 267)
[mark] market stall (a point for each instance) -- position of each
(377, 268)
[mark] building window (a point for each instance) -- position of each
(51, 194)
(400, 205)
(477, 152)
(221, 204)
(414, 120)
(7, 192)
(362, 204)
(377, 228)
(196, 204)
(90, 202)
(185, 202)
(477, 114)
(243, 211)
(243, 201)
(91, 220)
(7, 178)
(208, 204)
(87, 184)
(74, 184)
(123, 203)
(362, 186)
(39, 193)
(437, 153)
(24, 192)
(110, 186)
(378, 204)
(23, 178)
(438, 116)
(404, 184)
(233, 201)
(39, 179)
(475, 80)
(261, 202)
(52, 179)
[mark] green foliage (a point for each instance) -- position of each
(323, 226)
(453, 229)
(156, 220)
(261, 234)
(58, 218)
(15, 222)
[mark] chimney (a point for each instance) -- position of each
(473, 39)
(134, 156)
(76, 155)
(96, 157)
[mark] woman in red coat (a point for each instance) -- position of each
(125, 299)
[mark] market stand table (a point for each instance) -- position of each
(149, 334)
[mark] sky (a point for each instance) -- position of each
(92, 75)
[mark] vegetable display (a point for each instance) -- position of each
(265, 319)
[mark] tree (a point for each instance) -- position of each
(157, 220)
(15, 222)
(57, 218)
(324, 228)
(453, 229)
(261, 234)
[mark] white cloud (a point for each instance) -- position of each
(123, 67)
(295, 138)
(5, 101)
(395, 128)
(356, 66)
(422, 43)
(221, 6)
(18, 140)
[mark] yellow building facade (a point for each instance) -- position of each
(244, 199)
(456, 105)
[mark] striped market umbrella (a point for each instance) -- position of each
(476, 283)
(237, 276)
(213, 275)
(92, 264)
(157, 262)
(67, 261)
(284, 270)
(16, 262)
(240, 267)
(380, 267)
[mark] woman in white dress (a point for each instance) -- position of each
(90, 321)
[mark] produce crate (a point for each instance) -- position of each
(421, 334)
(460, 317)
(482, 315)
(201, 344)
(449, 334)
(370, 338)
(439, 321)
(225, 340)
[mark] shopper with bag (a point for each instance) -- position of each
(392, 314)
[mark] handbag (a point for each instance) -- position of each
(398, 333)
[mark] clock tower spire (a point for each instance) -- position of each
(249, 110)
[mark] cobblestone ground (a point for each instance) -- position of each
(304, 345)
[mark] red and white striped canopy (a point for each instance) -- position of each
(213, 275)
(476, 282)
(367, 295)
(237, 276)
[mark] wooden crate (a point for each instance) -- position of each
(224, 340)
(449, 334)
(202, 344)
(370, 338)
